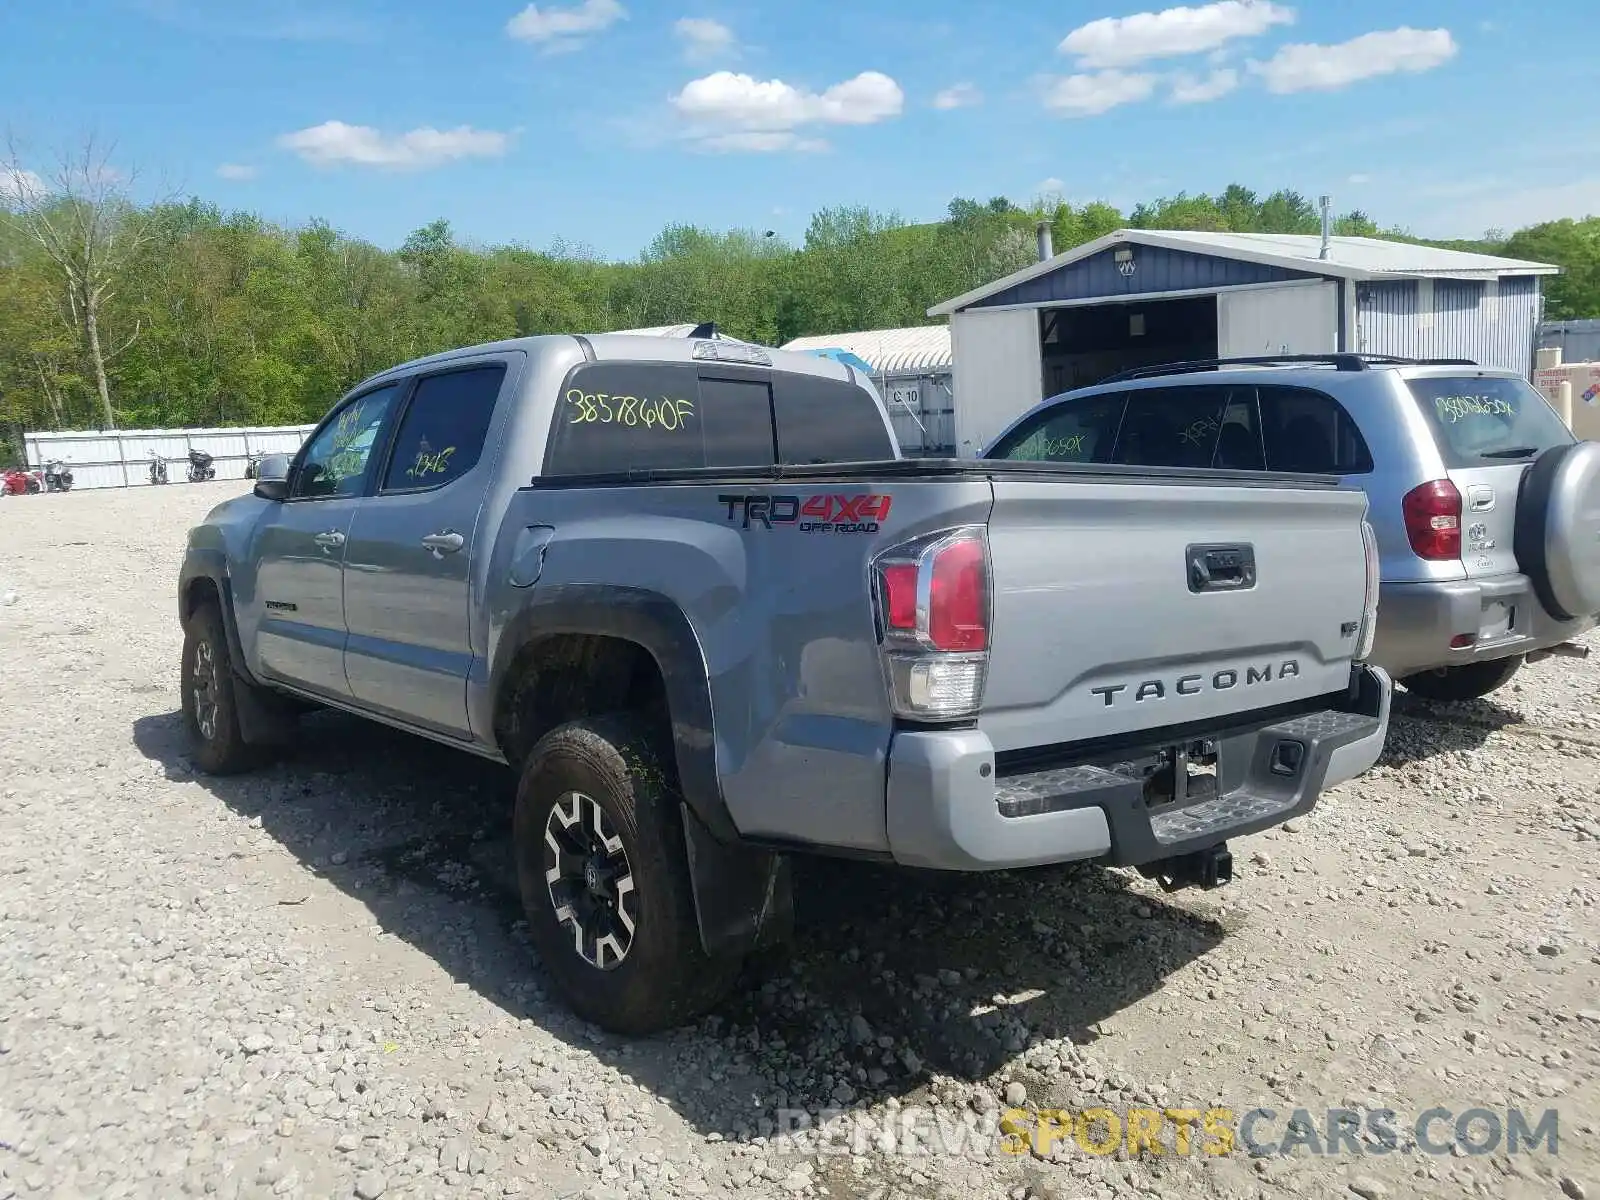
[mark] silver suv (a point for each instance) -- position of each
(1486, 509)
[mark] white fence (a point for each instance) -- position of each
(121, 458)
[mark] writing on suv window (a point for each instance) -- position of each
(1454, 408)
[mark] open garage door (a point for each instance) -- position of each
(1296, 318)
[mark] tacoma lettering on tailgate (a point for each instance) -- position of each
(1193, 685)
(811, 514)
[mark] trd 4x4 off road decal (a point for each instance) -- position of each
(810, 514)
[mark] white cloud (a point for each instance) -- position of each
(1358, 179)
(1187, 89)
(704, 38)
(335, 142)
(959, 95)
(730, 111)
(561, 29)
(1307, 67)
(238, 172)
(1123, 41)
(1090, 95)
(18, 186)
(1050, 187)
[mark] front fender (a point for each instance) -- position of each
(211, 565)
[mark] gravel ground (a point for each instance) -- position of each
(314, 981)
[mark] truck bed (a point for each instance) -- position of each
(1096, 633)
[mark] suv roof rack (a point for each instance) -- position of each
(1339, 362)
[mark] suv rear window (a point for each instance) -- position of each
(1487, 418)
(617, 417)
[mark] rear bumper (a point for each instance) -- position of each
(949, 810)
(1503, 616)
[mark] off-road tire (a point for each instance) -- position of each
(1470, 681)
(665, 978)
(216, 744)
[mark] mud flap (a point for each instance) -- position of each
(265, 719)
(743, 898)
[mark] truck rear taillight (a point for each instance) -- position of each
(1369, 600)
(932, 597)
(958, 597)
(1433, 520)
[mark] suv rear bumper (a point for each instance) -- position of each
(948, 810)
(1416, 622)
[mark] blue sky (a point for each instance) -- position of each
(599, 121)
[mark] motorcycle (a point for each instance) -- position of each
(158, 468)
(57, 476)
(21, 483)
(200, 468)
(252, 466)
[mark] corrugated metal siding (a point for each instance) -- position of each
(1492, 323)
(1386, 318)
(1156, 269)
(931, 433)
(123, 459)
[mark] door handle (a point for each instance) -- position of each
(332, 538)
(444, 543)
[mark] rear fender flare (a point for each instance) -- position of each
(743, 895)
(658, 625)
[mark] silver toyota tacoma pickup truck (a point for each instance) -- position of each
(691, 593)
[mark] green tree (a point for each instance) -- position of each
(1574, 246)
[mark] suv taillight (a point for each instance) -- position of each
(1433, 520)
(1369, 600)
(932, 598)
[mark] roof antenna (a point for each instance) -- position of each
(1327, 225)
(708, 330)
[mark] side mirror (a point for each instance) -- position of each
(272, 477)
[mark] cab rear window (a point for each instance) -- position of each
(615, 417)
(1487, 419)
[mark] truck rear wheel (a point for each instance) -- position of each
(1466, 682)
(604, 877)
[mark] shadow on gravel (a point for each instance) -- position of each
(890, 974)
(1420, 729)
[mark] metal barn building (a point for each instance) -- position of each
(1138, 297)
(912, 370)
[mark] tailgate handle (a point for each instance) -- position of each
(1221, 568)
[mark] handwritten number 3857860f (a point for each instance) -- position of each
(602, 408)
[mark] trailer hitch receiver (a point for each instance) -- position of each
(1208, 868)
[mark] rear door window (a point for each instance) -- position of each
(1080, 431)
(1481, 420)
(442, 433)
(827, 421)
(1184, 427)
(1310, 432)
(612, 418)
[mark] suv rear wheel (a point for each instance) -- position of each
(604, 877)
(1466, 682)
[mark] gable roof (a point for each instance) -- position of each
(1356, 258)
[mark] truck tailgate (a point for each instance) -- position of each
(1104, 624)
